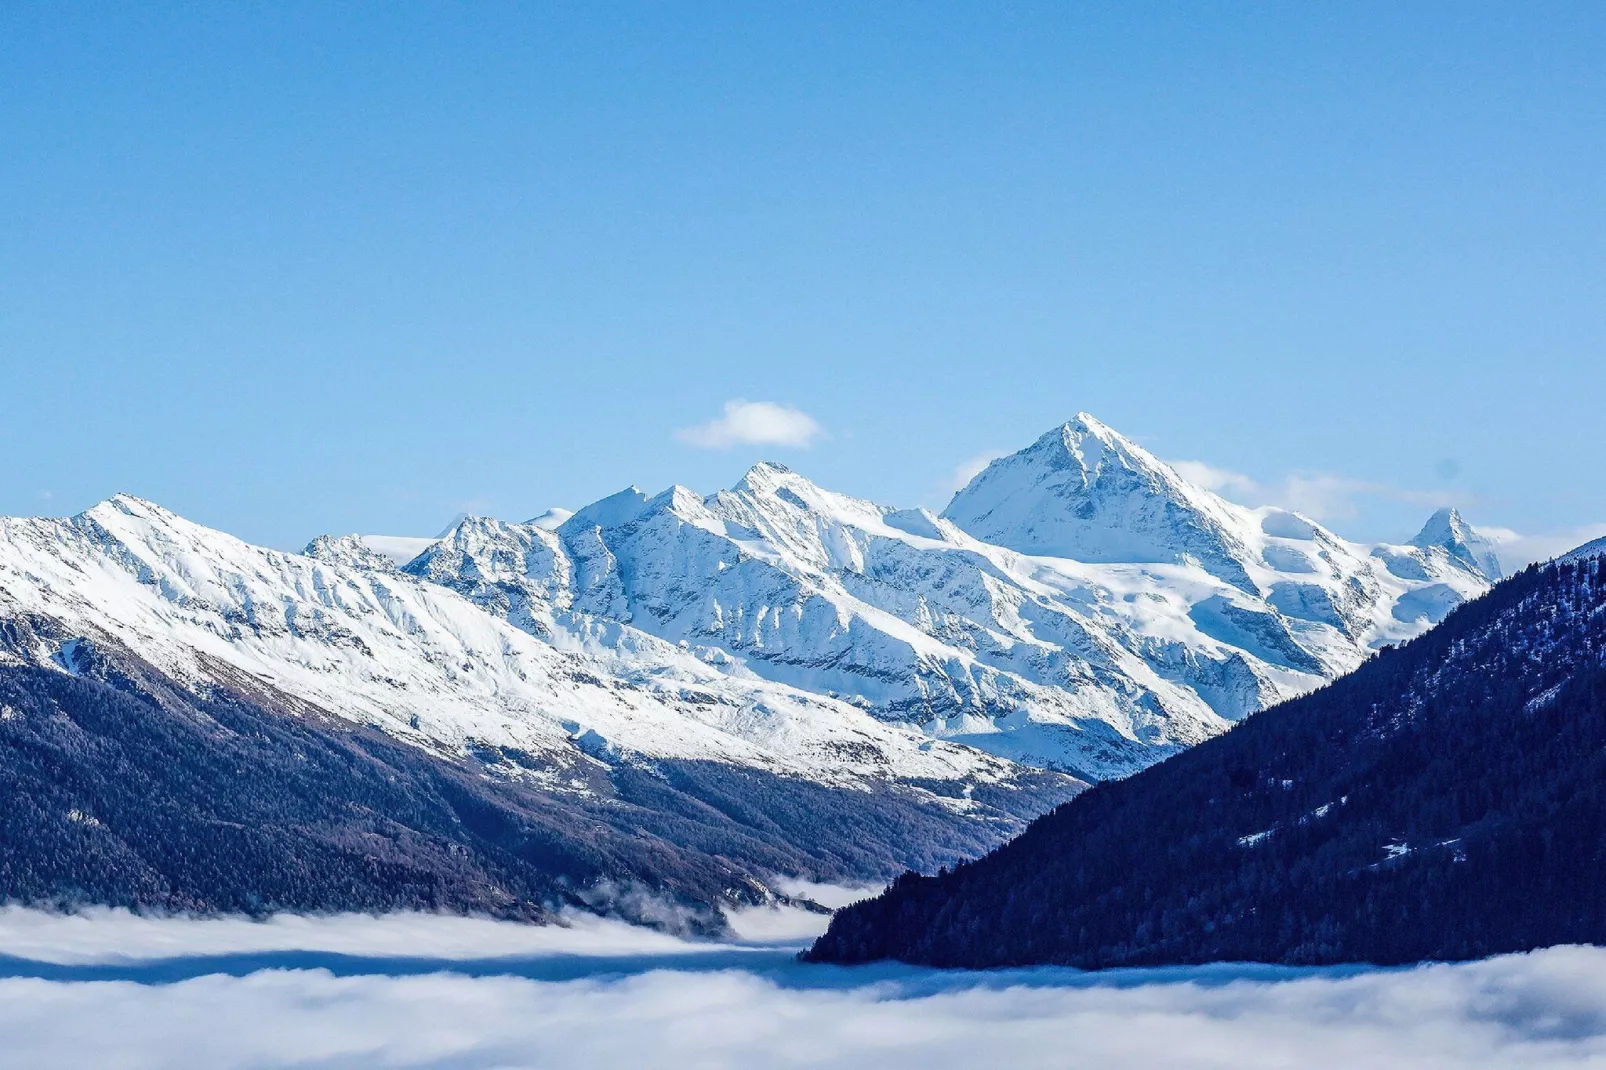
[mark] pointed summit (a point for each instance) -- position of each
(1447, 530)
(348, 550)
(773, 499)
(766, 477)
(609, 512)
(130, 505)
(1085, 492)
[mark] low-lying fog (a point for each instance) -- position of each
(109, 990)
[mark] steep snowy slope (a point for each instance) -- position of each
(341, 629)
(1446, 531)
(1113, 614)
(457, 761)
(1083, 492)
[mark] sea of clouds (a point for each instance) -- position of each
(110, 990)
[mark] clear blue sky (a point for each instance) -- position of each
(331, 267)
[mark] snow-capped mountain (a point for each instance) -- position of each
(541, 765)
(339, 628)
(680, 692)
(1078, 606)
(1446, 531)
(1083, 492)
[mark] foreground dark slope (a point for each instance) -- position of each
(1445, 801)
(122, 788)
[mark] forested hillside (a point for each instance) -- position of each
(134, 793)
(1445, 801)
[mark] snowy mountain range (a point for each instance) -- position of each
(189, 722)
(689, 677)
(339, 628)
(1079, 606)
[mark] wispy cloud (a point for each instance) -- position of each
(1545, 1010)
(754, 423)
(969, 469)
(1327, 497)
(1322, 496)
(1517, 550)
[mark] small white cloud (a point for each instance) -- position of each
(961, 476)
(754, 423)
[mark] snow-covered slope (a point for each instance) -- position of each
(1083, 492)
(694, 693)
(1588, 549)
(1446, 531)
(1079, 606)
(340, 630)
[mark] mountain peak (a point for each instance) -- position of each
(1083, 441)
(1086, 492)
(1447, 520)
(130, 513)
(610, 512)
(552, 519)
(347, 550)
(680, 500)
(1448, 531)
(1087, 423)
(131, 505)
(765, 476)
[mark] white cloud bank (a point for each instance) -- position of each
(105, 936)
(754, 423)
(1544, 1011)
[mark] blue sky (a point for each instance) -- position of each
(291, 269)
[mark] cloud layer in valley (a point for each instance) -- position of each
(694, 1008)
(754, 423)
